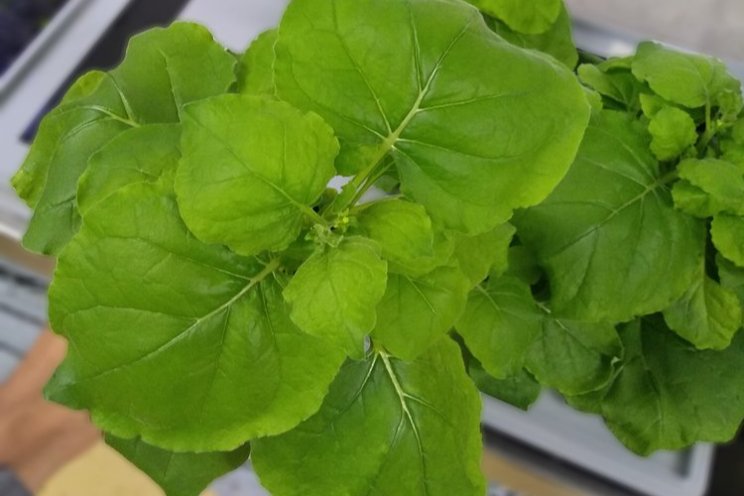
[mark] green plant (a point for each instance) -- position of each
(221, 302)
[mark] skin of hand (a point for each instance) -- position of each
(38, 437)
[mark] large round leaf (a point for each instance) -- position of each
(476, 125)
(609, 236)
(387, 428)
(184, 344)
(251, 169)
(669, 395)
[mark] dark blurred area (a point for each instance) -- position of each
(728, 469)
(20, 22)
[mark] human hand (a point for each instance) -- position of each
(38, 437)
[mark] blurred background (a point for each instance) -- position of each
(550, 451)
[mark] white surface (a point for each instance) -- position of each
(39, 42)
(235, 22)
(585, 441)
(710, 26)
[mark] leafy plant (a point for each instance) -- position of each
(222, 302)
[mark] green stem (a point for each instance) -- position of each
(266, 272)
(371, 180)
(314, 216)
(348, 193)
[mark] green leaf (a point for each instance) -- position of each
(688, 79)
(732, 151)
(256, 68)
(162, 71)
(708, 315)
(179, 474)
(183, 344)
(399, 77)
(732, 277)
(651, 104)
(414, 312)
(137, 155)
(523, 265)
(619, 86)
(405, 234)
(335, 292)
(594, 99)
(534, 17)
(520, 390)
(692, 200)
(672, 131)
(30, 180)
(556, 41)
(574, 357)
(669, 395)
(728, 237)
(478, 255)
(251, 170)
(722, 180)
(588, 402)
(609, 238)
(499, 325)
(387, 428)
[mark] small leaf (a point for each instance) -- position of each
(688, 79)
(693, 201)
(722, 180)
(405, 235)
(179, 474)
(478, 255)
(534, 17)
(673, 131)
(728, 237)
(251, 170)
(415, 312)
(162, 71)
(256, 68)
(669, 395)
(387, 428)
(413, 91)
(609, 238)
(499, 325)
(707, 316)
(574, 357)
(335, 292)
(196, 351)
(619, 86)
(137, 155)
(557, 40)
